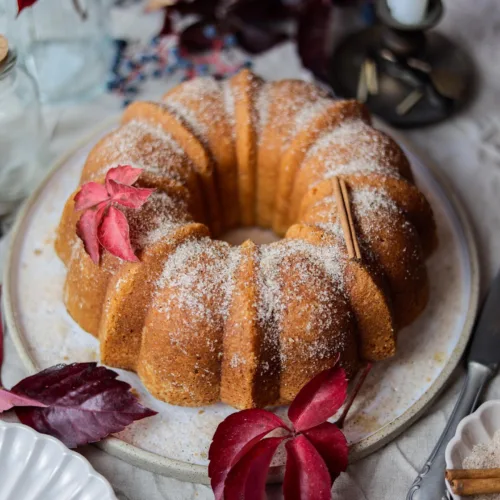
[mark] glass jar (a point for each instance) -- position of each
(65, 45)
(23, 140)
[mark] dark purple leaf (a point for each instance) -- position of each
(256, 38)
(9, 400)
(255, 11)
(204, 8)
(194, 38)
(85, 403)
(167, 28)
(312, 36)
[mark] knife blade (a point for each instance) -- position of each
(483, 361)
(485, 345)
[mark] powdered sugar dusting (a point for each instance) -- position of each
(198, 88)
(262, 107)
(142, 145)
(187, 115)
(200, 104)
(351, 148)
(229, 106)
(308, 112)
(275, 258)
(171, 214)
(198, 270)
(369, 200)
(356, 167)
(322, 265)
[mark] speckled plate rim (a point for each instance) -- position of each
(198, 473)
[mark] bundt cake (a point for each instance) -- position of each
(203, 321)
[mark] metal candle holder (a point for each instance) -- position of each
(404, 74)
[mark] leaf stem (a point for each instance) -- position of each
(361, 379)
(79, 9)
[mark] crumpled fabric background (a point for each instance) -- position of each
(466, 149)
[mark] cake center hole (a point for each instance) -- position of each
(257, 234)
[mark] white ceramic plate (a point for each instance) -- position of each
(34, 466)
(477, 428)
(175, 442)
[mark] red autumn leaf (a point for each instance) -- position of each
(85, 403)
(233, 438)
(87, 228)
(90, 195)
(22, 4)
(9, 400)
(247, 479)
(319, 399)
(124, 174)
(104, 225)
(113, 234)
(306, 474)
(331, 444)
(128, 196)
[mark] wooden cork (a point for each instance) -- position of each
(4, 48)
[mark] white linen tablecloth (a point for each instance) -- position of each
(466, 149)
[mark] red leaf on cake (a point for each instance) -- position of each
(86, 230)
(319, 399)
(9, 400)
(128, 196)
(114, 235)
(306, 474)
(247, 479)
(85, 403)
(124, 174)
(103, 224)
(90, 195)
(233, 438)
(331, 444)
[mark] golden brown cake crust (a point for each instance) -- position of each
(203, 321)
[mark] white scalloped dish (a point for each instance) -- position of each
(477, 428)
(34, 466)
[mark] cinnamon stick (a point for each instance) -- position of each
(346, 219)
(345, 195)
(452, 474)
(470, 487)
